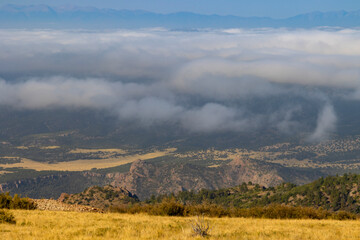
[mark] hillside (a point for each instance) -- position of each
(332, 193)
(148, 177)
(100, 197)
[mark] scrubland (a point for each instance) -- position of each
(73, 225)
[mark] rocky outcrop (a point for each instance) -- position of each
(54, 205)
(146, 178)
(244, 170)
(100, 197)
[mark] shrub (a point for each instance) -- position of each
(6, 217)
(282, 212)
(169, 207)
(342, 215)
(210, 210)
(6, 201)
(200, 227)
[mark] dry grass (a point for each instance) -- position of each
(72, 225)
(105, 150)
(83, 165)
(22, 147)
(50, 147)
(215, 166)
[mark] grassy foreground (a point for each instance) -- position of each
(72, 225)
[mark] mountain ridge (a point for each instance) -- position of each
(29, 16)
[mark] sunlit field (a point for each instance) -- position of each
(82, 165)
(73, 225)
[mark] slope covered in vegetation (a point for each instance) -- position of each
(100, 197)
(332, 193)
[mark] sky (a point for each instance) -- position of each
(245, 8)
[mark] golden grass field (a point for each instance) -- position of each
(74, 225)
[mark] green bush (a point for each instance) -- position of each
(8, 202)
(6, 217)
(168, 207)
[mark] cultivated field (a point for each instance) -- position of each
(107, 161)
(72, 225)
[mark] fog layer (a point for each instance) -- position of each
(203, 81)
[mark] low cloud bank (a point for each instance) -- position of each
(200, 81)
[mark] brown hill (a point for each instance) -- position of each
(100, 197)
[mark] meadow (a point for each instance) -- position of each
(75, 225)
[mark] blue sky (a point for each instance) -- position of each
(269, 8)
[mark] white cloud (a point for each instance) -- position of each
(326, 124)
(202, 81)
(150, 110)
(214, 117)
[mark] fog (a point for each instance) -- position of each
(201, 81)
(326, 124)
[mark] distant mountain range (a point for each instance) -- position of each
(43, 16)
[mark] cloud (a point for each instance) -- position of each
(285, 120)
(214, 117)
(60, 92)
(150, 110)
(207, 81)
(308, 57)
(221, 79)
(326, 124)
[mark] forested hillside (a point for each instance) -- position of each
(331, 193)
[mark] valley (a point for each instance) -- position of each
(164, 169)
